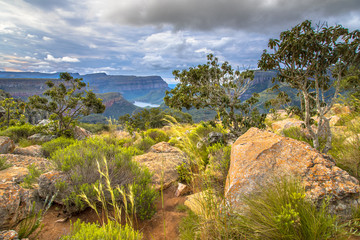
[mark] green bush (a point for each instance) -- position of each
(32, 177)
(58, 143)
(19, 132)
(145, 143)
(81, 161)
(157, 135)
(110, 230)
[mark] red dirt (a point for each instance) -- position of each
(151, 229)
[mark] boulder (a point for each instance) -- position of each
(48, 188)
(182, 189)
(15, 204)
(14, 174)
(39, 137)
(279, 126)
(6, 145)
(81, 133)
(334, 120)
(162, 160)
(9, 235)
(25, 161)
(258, 156)
(215, 137)
(34, 151)
(44, 122)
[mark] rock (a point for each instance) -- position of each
(215, 137)
(6, 145)
(196, 202)
(41, 137)
(9, 235)
(230, 138)
(162, 159)
(34, 151)
(44, 122)
(14, 174)
(81, 133)
(334, 120)
(182, 189)
(258, 156)
(25, 161)
(47, 186)
(279, 126)
(338, 109)
(15, 204)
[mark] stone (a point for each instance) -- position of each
(13, 174)
(41, 137)
(25, 161)
(279, 126)
(196, 202)
(81, 133)
(6, 145)
(215, 137)
(34, 151)
(258, 156)
(182, 190)
(44, 122)
(15, 204)
(162, 160)
(338, 109)
(47, 186)
(9, 235)
(334, 120)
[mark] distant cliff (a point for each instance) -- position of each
(25, 84)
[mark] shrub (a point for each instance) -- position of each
(4, 164)
(94, 128)
(32, 177)
(145, 143)
(110, 230)
(55, 144)
(18, 132)
(81, 160)
(157, 135)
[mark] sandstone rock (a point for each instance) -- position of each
(334, 120)
(6, 145)
(41, 137)
(47, 186)
(34, 151)
(182, 190)
(25, 161)
(44, 122)
(9, 235)
(81, 133)
(13, 174)
(258, 156)
(15, 203)
(279, 126)
(162, 159)
(197, 202)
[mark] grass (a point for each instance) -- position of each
(4, 164)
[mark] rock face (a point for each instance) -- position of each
(26, 161)
(6, 145)
(162, 159)
(33, 151)
(14, 174)
(258, 156)
(47, 185)
(15, 203)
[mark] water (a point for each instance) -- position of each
(144, 104)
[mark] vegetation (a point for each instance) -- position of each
(67, 101)
(303, 57)
(32, 177)
(217, 88)
(4, 164)
(16, 133)
(14, 112)
(58, 143)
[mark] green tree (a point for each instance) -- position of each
(280, 101)
(217, 88)
(13, 111)
(67, 101)
(313, 60)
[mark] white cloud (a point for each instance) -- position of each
(63, 59)
(46, 38)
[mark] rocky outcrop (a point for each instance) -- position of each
(162, 160)
(258, 156)
(25, 161)
(33, 151)
(14, 174)
(48, 188)
(15, 203)
(6, 145)
(39, 137)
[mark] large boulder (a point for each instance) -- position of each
(15, 203)
(162, 160)
(14, 174)
(33, 151)
(258, 156)
(6, 145)
(48, 186)
(25, 161)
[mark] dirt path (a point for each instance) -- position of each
(152, 229)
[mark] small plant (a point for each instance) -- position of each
(184, 172)
(32, 177)
(16, 133)
(4, 164)
(145, 143)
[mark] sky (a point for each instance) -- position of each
(151, 37)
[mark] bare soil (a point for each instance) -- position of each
(167, 215)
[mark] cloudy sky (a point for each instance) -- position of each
(151, 37)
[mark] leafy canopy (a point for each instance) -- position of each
(67, 101)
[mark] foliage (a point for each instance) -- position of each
(298, 134)
(217, 88)
(280, 101)
(145, 143)
(94, 128)
(58, 143)
(184, 172)
(303, 57)
(16, 133)
(351, 82)
(152, 118)
(67, 101)
(157, 135)
(79, 162)
(14, 112)
(32, 177)
(4, 164)
(92, 231)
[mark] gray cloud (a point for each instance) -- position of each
(250, 15)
